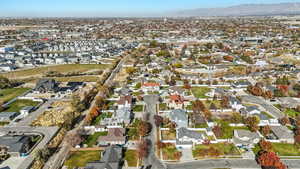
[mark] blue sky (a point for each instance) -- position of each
(111, 7)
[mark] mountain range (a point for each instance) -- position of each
(243, 10)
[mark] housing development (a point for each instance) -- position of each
(141, 93)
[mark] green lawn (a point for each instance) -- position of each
(223, 148)
(228, 131)
(17, 105)
(92, 139)
(67, 68)
(100, 117)
(131, 158)
(163, 106)
(291, 113)
(138, 108)
(283, 149)
(199, 92)
(81, 158)
(8, 94)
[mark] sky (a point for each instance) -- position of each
(105, 8)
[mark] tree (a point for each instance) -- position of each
(224, 102)
(198, 106)
(236, 118)
(217, 131)
(252, 122)
(4, 83)
(297, 139)
(284, 120)
(143, 149)
(207, 114)
(268, 94)
(4, 153)
(158, 120)
(144, 128)
(266, 130)
(269, 160)
(130, 70)
(265, 145)
(42, 155)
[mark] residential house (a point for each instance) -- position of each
(46, 85)
(241, 84)
(26, 110)
(283, 134)
(112, 122)
(176, 102)
(245, 138)
(150, 87)
(111, 158)
(17, 145)
(249, 110)
(125, 102)
(8, 116)
(186, 138)
(115, 136)
(235, 103)
(175, 90)
(124, 114)
(179, 117)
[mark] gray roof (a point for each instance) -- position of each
(110, 159)
(181, 132)
(15, 143)
(179, 117)
(248, 135)
(45, 85)
(282, 132)
(124, 113)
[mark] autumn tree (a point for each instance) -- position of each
(143, 149)
(225, 102)
(252, 122)
(284, 120)
(265, 145)
(198, 106)
(217, 131)
(158, 120)
(144, 128)
(266, 130)
(270, 160)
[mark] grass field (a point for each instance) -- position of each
(81, 158)
(283, 149)
(92, 139)
(8, 94)
(199, 92)
(90, 78)
(17, 105)
(58, 68)
(131, 158)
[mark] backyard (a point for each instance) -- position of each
(81, 158)
(17, 105)
(215, 150)
(199, 92)
(8, 94)
(92, 139)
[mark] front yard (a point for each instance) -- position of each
(170, 152)
(17, 105)
(283, 149)
(81, 158)
(92, 139)
(131, 157)
(168, 135)
(215, 150)
(199, 92)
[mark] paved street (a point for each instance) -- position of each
(150, 108)
(216, 163)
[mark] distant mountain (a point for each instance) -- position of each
(244, 10)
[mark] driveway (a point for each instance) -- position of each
(187, 155)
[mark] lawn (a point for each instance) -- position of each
(163, 106)
(283, 149)
(131, 158)
(228, 131)
(199, 92)
(92, 139)
(101, 117)
(168, 135)
(217, 103)
(201, 150)
(67, 68)
(17, 105)
(81, 158)
(291, 113)
(170, 152)
(138, 108)
(8, 94)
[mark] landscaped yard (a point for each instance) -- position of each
(199, 92)
(17, 105)
(170, 152)
(92, 139)
(131, 158)
(214, 150)
(67, 68)
(163, 106)
(138, 108)
(283, 149)
(8, 94)
(81, 158)
(291, 113)
(168, 135)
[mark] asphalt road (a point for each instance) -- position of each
(150, 108)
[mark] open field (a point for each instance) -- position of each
(67, 68)
(81, 158)
(8, 94)
(17, 105)
(88, 78)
